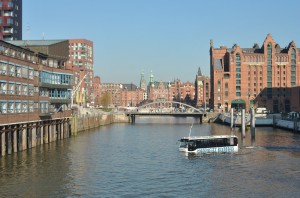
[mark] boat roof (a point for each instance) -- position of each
(208, 137)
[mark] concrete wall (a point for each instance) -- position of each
(90, 121)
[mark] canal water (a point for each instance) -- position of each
(142, 160)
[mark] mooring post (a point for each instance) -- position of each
(33, 135)
(15, 142)
(9, 141)
(20, 137)
(201, 119)
(3, 141)
(46, 133)
(41, 133)
(243, 123)
(24, 137)
(252, 126)
(231, 118)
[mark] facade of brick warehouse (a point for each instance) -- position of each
(254, 77)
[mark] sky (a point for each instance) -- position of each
(168, 37)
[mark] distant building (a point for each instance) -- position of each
(158, 91)
(10, 20)
(97, 90)
(33, 86)
(125, 95)
(183, 92)
(257, 76)
(202, 90)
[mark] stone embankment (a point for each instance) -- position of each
(90, 121)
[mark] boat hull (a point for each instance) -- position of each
(225, 149)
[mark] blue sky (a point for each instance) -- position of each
(169, 37)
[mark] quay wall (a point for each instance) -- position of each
(17, 137)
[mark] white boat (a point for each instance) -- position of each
(209, 144)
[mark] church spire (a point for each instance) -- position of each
(199, 72)
(151, 79)
(143, 81)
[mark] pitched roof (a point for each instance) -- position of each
(35, 42)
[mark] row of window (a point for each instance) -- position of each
(260, 59)
(60, 94)
(28, 106)
(17, 88)
(16, 70)
(16, 106)
(56, 78)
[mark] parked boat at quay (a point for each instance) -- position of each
(288, 122)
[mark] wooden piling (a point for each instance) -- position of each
(33, 136)
(3, 146)
(243, 123)
(14, 139)
(24, 137)
(231, 118)
(252, 126)
(8, 140)
(20, 138)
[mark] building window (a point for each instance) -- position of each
(269, 71)
(3, 68)
(3, 107)
(10, 4)
(3, 87)
(238, 72)
(11, 88)
(293, 67)
(10, 21)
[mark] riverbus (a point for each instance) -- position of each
(209, 144)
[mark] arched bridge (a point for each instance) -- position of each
(166, 108)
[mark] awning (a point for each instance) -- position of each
(238, 101)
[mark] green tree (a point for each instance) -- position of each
(106, 99)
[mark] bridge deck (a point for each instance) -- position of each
(182, 114)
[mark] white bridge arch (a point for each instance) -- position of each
(168, 105)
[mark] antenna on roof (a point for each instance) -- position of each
(27, 32)
(43, 36)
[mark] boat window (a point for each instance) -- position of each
(218, 142)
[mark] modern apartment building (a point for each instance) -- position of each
(11, 20)
(33, 86)
(81, 55)
(254, 77)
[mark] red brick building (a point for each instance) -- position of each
(183, 92)
(97, 90)
(33, 86)
(81, 55)
(80, 60)
(257, 76)
(125, 95)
